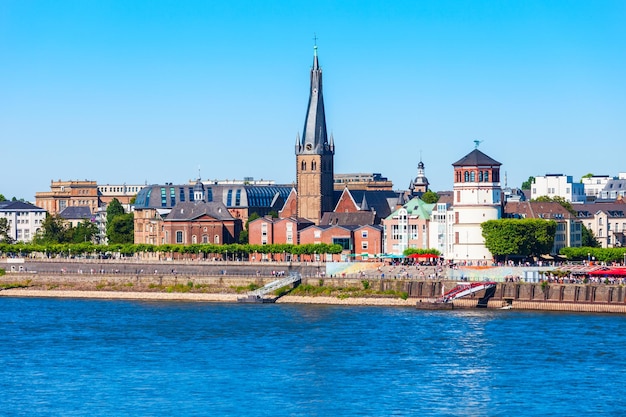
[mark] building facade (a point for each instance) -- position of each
(477, 199)
(64, 194)
(315, 155)
(558, 185)
(24, 219)
(407, 227)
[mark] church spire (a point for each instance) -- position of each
(314, 136)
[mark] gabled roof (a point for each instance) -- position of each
(476, 158)
(382, 202)
(194, 210)
(537, 210)
(416, 207)
(75, 213)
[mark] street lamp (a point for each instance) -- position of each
(588, 257)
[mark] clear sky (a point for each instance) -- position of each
(150, 91)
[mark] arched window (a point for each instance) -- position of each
(486, 176)
(480, 176)
(205, 239)
(466, 176)
(303, 166)
(194, 239)
(313, 166)
(216, 240)
(472, 176)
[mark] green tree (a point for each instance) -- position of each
(5, 230)
(114, 209)
(120, 225)
(121, 229)
(54, 229)
(528, 183)
(522, 237)
(85, 231)
(430, 197)
(588, 239)
(2, 198)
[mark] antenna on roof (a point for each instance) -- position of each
(477, 142)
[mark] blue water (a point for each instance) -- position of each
(63, 357)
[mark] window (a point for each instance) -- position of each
(303, 166)
(364, 234)
(172, 196)
(486, 176)
(480, 176)
(413, 231)
(472, 176)
(317, 234)
(216, 239)
(205, 239)
(238, 198)
(163, 197)
(344, 242)
(229, 198)
(466, 176)
(179, 237)
(364, 245)
(182, 195)
(194, 239)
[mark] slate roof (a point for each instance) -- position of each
(193, 210)
(360, 218)
(476, 158)
(383, 202)
(18, 205)
(76, 213)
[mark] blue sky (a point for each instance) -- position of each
(148, 91)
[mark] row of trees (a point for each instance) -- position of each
(206, 250)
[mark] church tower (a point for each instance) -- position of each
(315, 155)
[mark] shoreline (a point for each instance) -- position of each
(322, 300)
(200, 297)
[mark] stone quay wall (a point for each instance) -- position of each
(518, 295)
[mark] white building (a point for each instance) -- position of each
(440, 230)
(24, 219)
(558, 185)
(477, 199)
(594, 185)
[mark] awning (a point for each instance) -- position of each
(611, 272)
(422, 255)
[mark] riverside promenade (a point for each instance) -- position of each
(224, 281)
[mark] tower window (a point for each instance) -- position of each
(303, 166)
(466, 176)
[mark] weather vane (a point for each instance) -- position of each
(476, 143)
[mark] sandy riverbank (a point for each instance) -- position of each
(199, 297)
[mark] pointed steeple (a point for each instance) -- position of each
(314, 137)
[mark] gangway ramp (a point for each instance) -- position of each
(465, 288)
(258, 295)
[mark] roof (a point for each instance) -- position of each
(537, 210)
(359, 218)
(382, 202)
(18, 206)
(416, 207)
(193, 210)
(75, 213)
(260, 198)
(476, 158)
